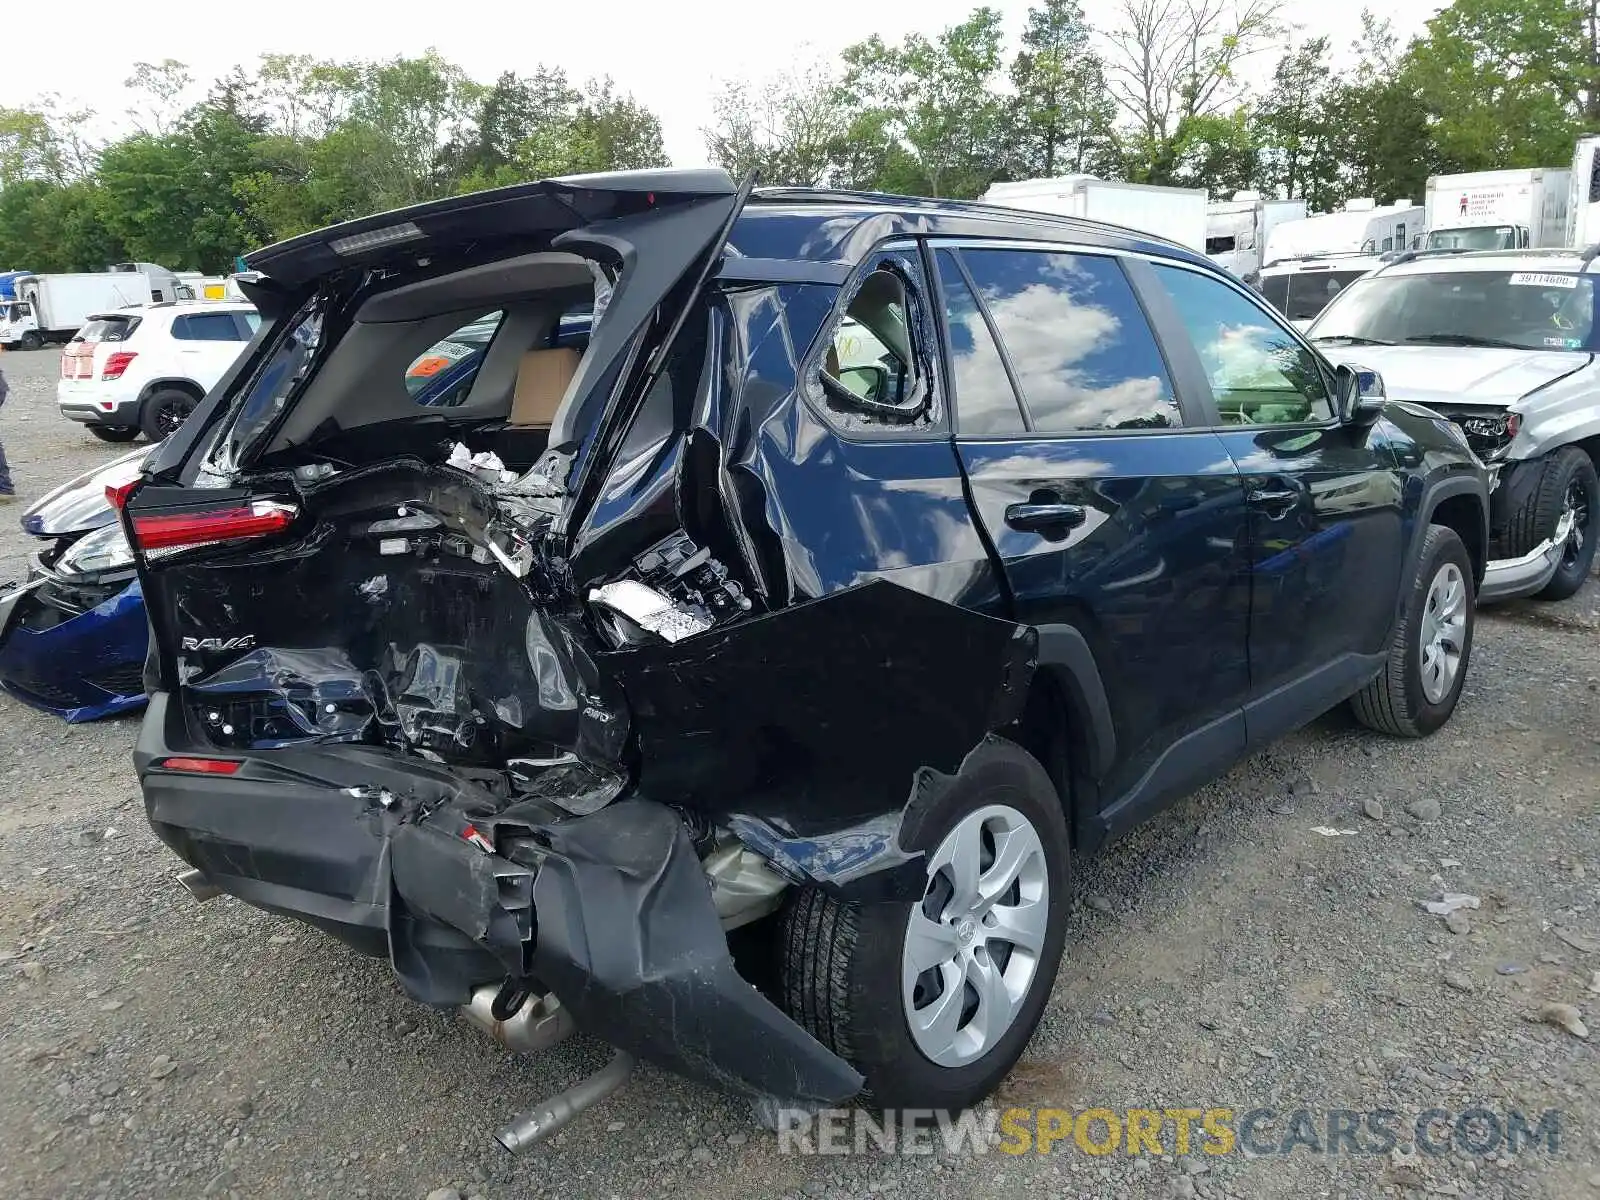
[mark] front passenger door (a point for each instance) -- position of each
(1326, 522)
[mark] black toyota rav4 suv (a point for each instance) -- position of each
(739, 686)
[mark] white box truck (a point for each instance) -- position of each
(51, 308)
(1583, 195)
(1237, 229)
(1498, 210)
(1177, 214)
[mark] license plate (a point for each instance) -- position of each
(8, 602)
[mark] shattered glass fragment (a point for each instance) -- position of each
(375, 589)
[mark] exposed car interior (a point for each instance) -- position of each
(496, 359)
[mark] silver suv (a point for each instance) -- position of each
(1503, 344)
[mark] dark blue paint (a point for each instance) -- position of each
(1156, 578)
(1330, 561)
(51, 669)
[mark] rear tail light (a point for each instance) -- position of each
(166, 532)
(201, 766)
(117, 363)
(117, 493)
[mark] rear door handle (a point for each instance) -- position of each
(1268, 496)
(1031, 518)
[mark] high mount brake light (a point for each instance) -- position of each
(174, 531)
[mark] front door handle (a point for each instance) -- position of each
(1032, 518)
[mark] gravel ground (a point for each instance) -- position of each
(1225, 955)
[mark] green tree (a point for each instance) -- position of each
(1170, 61)
(792, 130)
(938, 100)
(1505, 83)
(1388, 148)
(1296, 125)
(1062, 116)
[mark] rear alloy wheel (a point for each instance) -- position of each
(164, 411)
(1432, 648)
(1571, 476)
(933, 1001)
(115, 433)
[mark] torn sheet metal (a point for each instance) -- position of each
(818, 714)
(631, 942)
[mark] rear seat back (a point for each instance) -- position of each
(542, 379)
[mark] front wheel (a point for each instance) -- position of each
(1428, 658)
(933, 1002)
(31, 341)
(164, 411)
(115, 433)
(1574, 497)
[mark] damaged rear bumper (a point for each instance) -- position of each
(610, 912)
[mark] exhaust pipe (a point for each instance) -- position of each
(534, 1126)
(537, 1023)
(198, 886)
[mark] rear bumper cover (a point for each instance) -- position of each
(611, 912)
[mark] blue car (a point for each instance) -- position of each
(73, 633)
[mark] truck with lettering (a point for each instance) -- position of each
(1498, 210)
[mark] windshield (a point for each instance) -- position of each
(1301, 295)
(1485, 237)
(1527, 310)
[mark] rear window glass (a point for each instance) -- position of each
(442, 375)
(206, 327)
(1301, 295)
(108, 329)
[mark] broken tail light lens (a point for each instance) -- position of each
(117, 363)
(201, 766)
(181, 531)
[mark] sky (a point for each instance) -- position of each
(671, 56)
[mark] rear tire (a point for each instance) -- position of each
(847, 976)
(164, 411)
(1432, 648)
(115, 433)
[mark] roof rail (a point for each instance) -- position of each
(1588, 256)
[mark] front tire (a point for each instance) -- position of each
(934, 1002)
(1432, 648)
(1569, 486)
(115, 433)
(164, 411)
(31, 341)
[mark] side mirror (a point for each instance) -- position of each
(1361, 394)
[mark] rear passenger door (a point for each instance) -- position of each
(1327, 528)
(208, 343)
(1111, 513)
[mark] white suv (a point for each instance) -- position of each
(143, 369)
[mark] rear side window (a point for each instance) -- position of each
(441, 376)
(1083, 354)
(984, 400)
(108, 329)
(206, 327)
